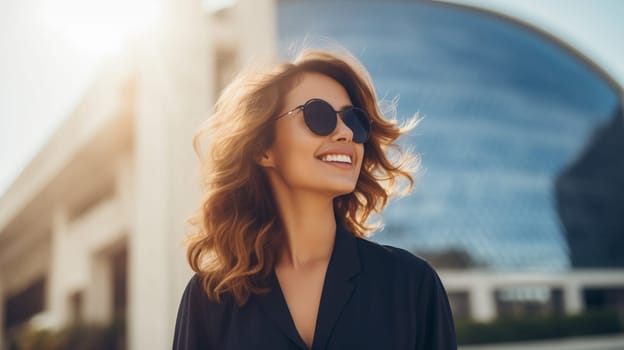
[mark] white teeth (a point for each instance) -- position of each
(342, 158)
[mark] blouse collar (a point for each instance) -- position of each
(338, 286)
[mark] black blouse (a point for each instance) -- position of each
(374, 297)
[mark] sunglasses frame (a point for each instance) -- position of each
(303, 106)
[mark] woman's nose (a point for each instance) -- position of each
(342, 132)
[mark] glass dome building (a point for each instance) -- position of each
(519, 139)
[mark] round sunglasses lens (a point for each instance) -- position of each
(358, 122)
(320, 117)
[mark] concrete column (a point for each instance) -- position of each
(98, 297)
(482, 302)
(123, 183)
(573, 298)
(256, 46)
(56, 298)
(174, 94)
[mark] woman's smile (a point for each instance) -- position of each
(341, 158)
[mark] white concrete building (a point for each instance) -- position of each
(92, 228)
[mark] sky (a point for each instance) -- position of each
(52, 51)
(593, 27)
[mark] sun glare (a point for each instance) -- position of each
(100, 27)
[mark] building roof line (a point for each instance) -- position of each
(545, 34)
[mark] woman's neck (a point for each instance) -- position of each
(310, 229)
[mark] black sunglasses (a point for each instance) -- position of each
(321, 119)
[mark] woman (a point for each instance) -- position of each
(297, 162)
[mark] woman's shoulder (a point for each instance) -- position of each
(394, 259)
(406, 271)
(198, 318)
(195, 294)
(194, 288)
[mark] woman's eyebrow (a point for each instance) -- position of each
(345, 107)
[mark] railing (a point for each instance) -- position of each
(482, 285)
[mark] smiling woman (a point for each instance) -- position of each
(296, 163)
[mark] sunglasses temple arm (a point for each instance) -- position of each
(289, 112)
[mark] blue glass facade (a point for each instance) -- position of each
(505, 110)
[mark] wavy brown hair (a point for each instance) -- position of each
(237, 229)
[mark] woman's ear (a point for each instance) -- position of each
(266, 159)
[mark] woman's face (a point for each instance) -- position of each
(301, 160)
